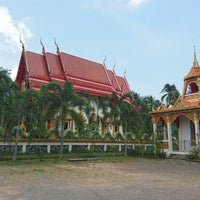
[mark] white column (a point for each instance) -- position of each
(70, 147)
(120, 148)
(169, 131)
(154, 135)
(165, 132)
(24, 148)
(49, 148)
(196, 124)
(105, 147)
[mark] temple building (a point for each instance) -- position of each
(37, 69)
(185, 114)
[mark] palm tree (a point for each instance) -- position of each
(150, 102)
(97, 110)
(123, 113)
(171, 94)
(68, 103)
(20, 104)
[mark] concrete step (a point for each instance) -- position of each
(178, 156)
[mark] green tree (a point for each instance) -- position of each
(7, 88)
(20, 104)
(148, 103)
(171, 94)
(68, 102)
(123, 113)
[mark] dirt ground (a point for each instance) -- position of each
(135, 179)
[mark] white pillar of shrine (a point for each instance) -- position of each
(165, 132)
(196, 125)
(154, 133)
(169, 131)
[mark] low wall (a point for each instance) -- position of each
(70, 146)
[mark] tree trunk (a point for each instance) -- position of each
(61, 140)
(125, 146)
(14, 158)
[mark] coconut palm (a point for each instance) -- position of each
(171, 94)
(150, 102)
(123, 113)
(20, 104)
(68, 103)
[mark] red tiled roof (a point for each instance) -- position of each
(114, 81)
(54, 65)
(123, 84)
(83, 74)
(36, 66)
(84, 69)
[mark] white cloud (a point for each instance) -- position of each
(136, 3)
(13, 73)
(11, 31)
(130, 3)
(113, 4)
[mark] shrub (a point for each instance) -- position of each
(20, 131)
(69, 134)
(129, 136)
(118, 136)
(96, 135)
(107, 135)
(194, 154)
(147, 153)
(51, 131)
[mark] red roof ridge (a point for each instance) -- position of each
(107, 75)
(126, 82)
(78, 57)
(115, 77)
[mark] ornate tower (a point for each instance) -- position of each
(191, 95)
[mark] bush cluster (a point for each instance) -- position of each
(194, 154)
(147, 153)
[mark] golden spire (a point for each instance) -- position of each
(195, 63)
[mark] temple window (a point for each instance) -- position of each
(192, 88)
(48, 124)
(106, 126)
(68, 124)
(116, 128)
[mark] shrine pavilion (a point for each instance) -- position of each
(185, 114)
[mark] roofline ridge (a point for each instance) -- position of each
(105, 69)
(115, 76)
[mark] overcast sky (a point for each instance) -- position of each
(152, 40)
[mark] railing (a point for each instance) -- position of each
(52, 147)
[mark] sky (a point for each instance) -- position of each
(150, 41)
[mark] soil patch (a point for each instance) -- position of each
(133, 179)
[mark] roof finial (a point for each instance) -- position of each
(125, 72)
(58, 50)
(114, 66)
(43, 49)
(104, 60)
(195, 63)
(20, 40)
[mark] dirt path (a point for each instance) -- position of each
(136, 179)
